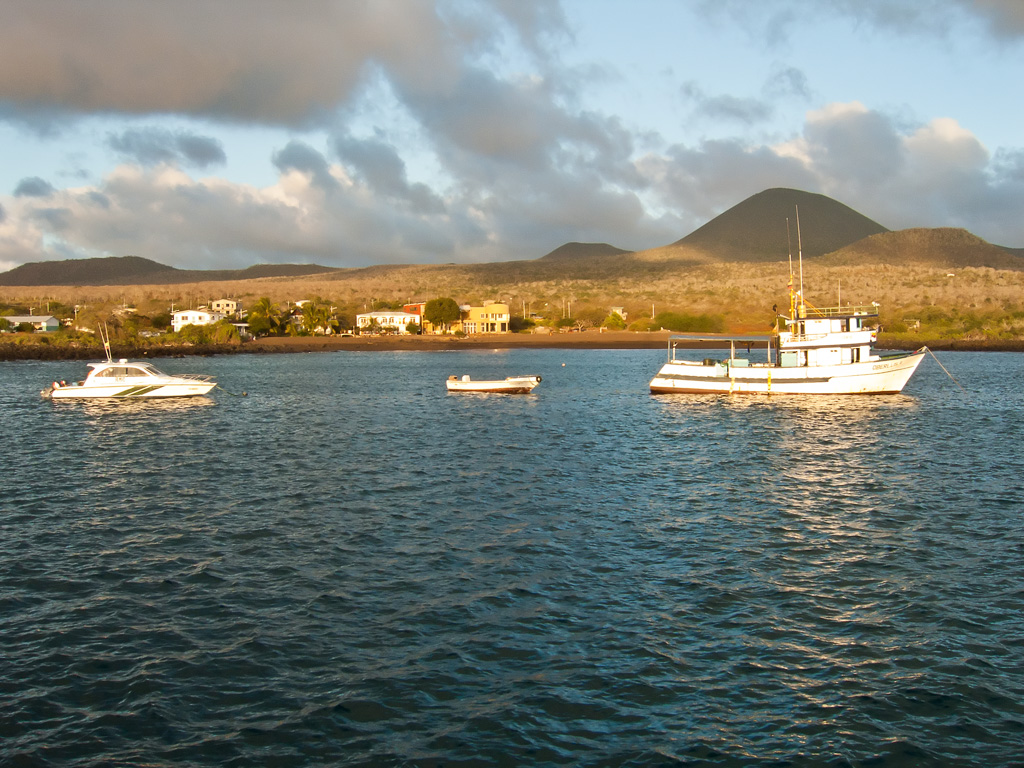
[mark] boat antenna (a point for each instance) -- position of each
(800, 257)
(105, 338)
(792, 296)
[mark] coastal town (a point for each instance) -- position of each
(306, 317)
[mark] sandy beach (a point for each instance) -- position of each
(584, 340)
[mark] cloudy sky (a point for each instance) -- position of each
(352, 132)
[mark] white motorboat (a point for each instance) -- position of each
(120, 379)
(812, 351)
(513, 385)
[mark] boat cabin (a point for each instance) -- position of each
(834, 336)
(122, 369)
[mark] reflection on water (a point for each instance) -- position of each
(136, 406)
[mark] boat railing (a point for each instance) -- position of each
(850, 310)
(789, 337)
(708, 341)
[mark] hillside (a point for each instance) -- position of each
(105, 271)
(577, 251)
(944, 247)
(755, 230)
(135, 270)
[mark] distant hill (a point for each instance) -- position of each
(946, 248)
(755, 229)
(572, 261)
(114, 270)
(575, 251)
(135, 270)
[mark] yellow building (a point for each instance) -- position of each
(492, 317)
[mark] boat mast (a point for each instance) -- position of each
(792, 297)
(800, 256)
(105, 338)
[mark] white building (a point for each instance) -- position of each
(40, 322)
(387, 319)
(227, 306)
(184, 317)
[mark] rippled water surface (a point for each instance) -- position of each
(350, 566)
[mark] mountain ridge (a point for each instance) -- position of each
(760, 229)
(137, 270)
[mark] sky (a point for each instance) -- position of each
(213, 135)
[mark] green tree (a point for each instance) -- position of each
(520, 324)
(265, 318)
(441, 313)
(614, 322)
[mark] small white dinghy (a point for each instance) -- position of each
(513, 385)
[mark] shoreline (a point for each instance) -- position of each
(308, 344)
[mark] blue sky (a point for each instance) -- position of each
(214, 135)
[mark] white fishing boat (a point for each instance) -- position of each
(513, 385)
(812, 351)
(120, 379)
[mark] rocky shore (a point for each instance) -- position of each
(304, 344)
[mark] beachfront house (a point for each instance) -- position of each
(228, 307)
(388, 320)
(184, 317)
(39, 322)
(492, 317)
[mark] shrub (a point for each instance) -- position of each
(614, 322)
(674, 321)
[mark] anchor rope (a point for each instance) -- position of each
(952, 378)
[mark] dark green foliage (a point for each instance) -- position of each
(683, 323)
(265, 318)
(614, 322)
(222, 332)
(442, 312)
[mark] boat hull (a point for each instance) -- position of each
(127, 391)
(518, 385)
(882, 376)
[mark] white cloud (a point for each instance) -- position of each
(445, 131)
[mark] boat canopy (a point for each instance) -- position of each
(710, 340)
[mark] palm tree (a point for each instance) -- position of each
(314, 317)
(265, 309)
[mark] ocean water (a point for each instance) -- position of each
(349, 566)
